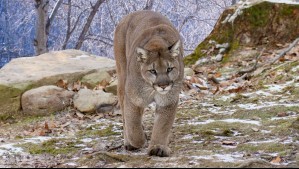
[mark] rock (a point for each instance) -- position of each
(87, 100)
(219, 57)
(25, 73)
(94, 79)
(248, 24)
(188, 72)
(112, 88)
(46, 99)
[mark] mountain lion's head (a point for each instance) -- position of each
(160, 68)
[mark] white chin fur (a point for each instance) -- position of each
(163, 91)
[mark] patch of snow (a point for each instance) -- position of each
(71, 164)
(80, 57)
(87, 149)
(242, 121)
(187, 137)
(295, 69)
(275, 87)
(225, 98)
(265, 131)
(227, 121)
(251, 106)
(10, 148)
(201, 61)
(263, 93)
(234, 157)
(80, 145)
(86, 140)
(284, 118)
(285, 1)
(262, 142)
(36, 140)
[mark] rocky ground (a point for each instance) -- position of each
(223, 120)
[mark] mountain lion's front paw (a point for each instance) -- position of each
(159, 150)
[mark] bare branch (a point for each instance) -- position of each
(285, 51)
(88, 23)
(255, 66)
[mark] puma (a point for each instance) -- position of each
(148, 53)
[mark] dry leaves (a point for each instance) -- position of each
(276, 160)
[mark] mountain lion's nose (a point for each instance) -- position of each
(163, 86)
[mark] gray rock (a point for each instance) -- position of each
(219, 57)
(22, 74)
(87, 100)
(112, 88)
(188, 72)
(46, 99)
(93, 79)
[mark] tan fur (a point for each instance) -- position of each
(148, 54)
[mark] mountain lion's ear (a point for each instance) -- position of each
(142, 54)
(175, 49)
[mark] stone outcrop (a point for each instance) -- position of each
(256, 23)
(22, 74)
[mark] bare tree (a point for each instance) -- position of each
(77, 24)
(70, 28)
(53, 14)
(40, 42)
(88, 23)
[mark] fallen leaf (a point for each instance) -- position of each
(276, 160)
(255, 129)
(282, 114)
(46, 126)
(217, 75)
(62, 83)
(229, 143)
(77, 86)
(80, 115)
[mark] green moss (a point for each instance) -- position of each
(266, 147)
(258, 15)
(217, 128)
(287, 10)
(51, 147)
(264, 113)
(90, 132)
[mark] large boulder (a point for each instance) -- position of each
(46, 99)
(254, 23)
(22, 74)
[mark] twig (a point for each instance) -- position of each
(255, 66)
(285, 51)
(114, 148)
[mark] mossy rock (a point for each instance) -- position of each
(262, 24)
(22, 74)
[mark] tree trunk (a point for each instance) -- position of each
(234, 2)
(40, 41)
(88, 23)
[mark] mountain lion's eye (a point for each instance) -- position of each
(153, 71)
(169, 69)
